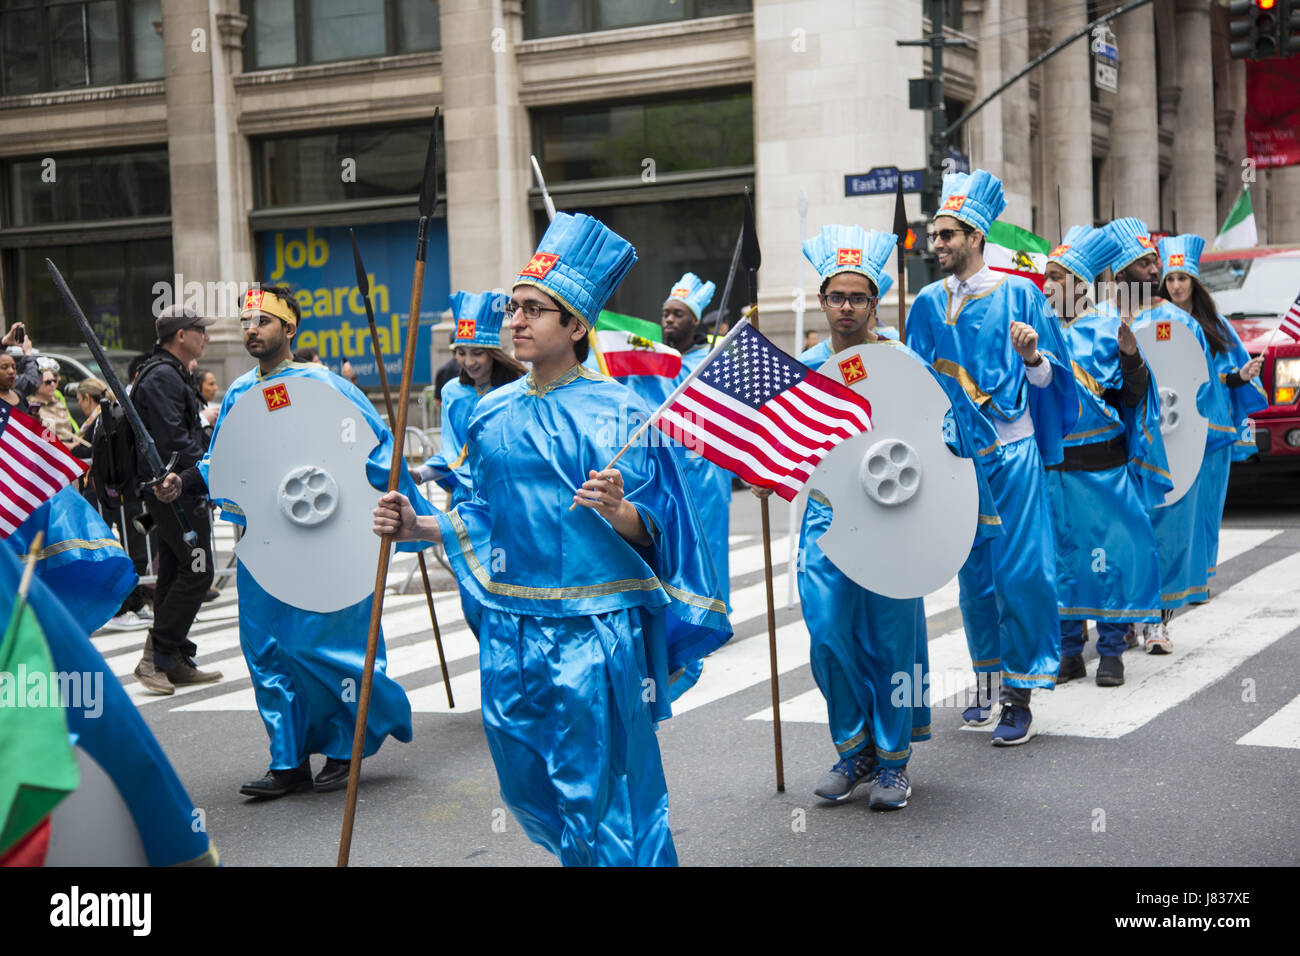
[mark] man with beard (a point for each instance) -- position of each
(299, 659)
(984, 329)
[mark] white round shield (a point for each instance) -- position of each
(291, 454)
(905, 507)
(1177, 363)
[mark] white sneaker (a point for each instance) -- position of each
(129, 621)
(1157, 639)
(145, 613)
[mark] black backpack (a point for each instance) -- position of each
(113, 468)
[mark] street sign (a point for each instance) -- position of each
(883, 179)
(1105, 55)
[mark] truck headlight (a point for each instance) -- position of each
(1286, 380)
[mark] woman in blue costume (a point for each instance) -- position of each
(586, 610)
(1179, 528)
(860, 641)
(484, 366)
(1113, 469)
(299, 659)
(995, 334)
(1237, 372)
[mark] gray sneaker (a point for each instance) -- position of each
(889, 789)
(186, 672)
(154, 680)
(847, 775)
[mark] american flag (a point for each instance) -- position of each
(33, 468)
(1291, 321)
(761, 414)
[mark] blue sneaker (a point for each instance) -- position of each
(1015, 727)
(889, 789)
(847, 775)
(981, 715)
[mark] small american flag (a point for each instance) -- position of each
(33, 468)
(761, 414)
(1291, 321)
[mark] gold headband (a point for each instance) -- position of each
(259, 300)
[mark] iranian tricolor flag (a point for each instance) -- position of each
(630, 346)
(1238, 230)
(1009, 248)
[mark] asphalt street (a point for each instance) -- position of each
(1192, 763)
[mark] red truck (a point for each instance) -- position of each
(1253, 289)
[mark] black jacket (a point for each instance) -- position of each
(164, 396)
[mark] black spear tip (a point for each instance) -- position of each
(750, 254)
(429, 183)
(900, 213)
(363, 281)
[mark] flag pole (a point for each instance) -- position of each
(752, 258)
(900, 231)
(428, 199)
(793, 518)
(24, 583)
(363, 284)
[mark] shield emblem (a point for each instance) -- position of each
(1177, 362)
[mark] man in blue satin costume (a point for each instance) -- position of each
(1113, 469)
(710, 484)
(1238, 375)
(587, 610)
(1179, 528)
(861, 641)
(300, 659)
(996, 335)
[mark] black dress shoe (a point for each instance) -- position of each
(333, 776)
(1072, 666)
(277, 783)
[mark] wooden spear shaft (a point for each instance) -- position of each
(428, 196)
(363, 283)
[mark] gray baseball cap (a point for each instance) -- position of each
(176, 317)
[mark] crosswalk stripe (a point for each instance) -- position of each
(1280, 730)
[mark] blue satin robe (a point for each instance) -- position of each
(1104, 539)
(1008, 584)
(581, 629)
(1244, 400)
(1181, 529)
(80, 560)
(300, 660)
(869, 653)
(710, 484)
(451, 470)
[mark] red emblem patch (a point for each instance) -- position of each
(1176, 259)
(465, 328)
(1058, 252)
(1164, 331)
(1145, 242)
(952, 203)
(681, 292)
(851, 370)
(848, 257)
(254, 299)
(277, 397)
(540, 264)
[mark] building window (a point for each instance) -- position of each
(65, 190)
(368, 162)
(297, 32)
(68, 44)
(549, 18)
(665, 174)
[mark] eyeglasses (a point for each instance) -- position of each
(49, 381)
(947, 235)
(859, 300)
(531, 310)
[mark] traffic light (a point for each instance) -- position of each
(1260, 29)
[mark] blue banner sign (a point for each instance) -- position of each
(317, 265)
